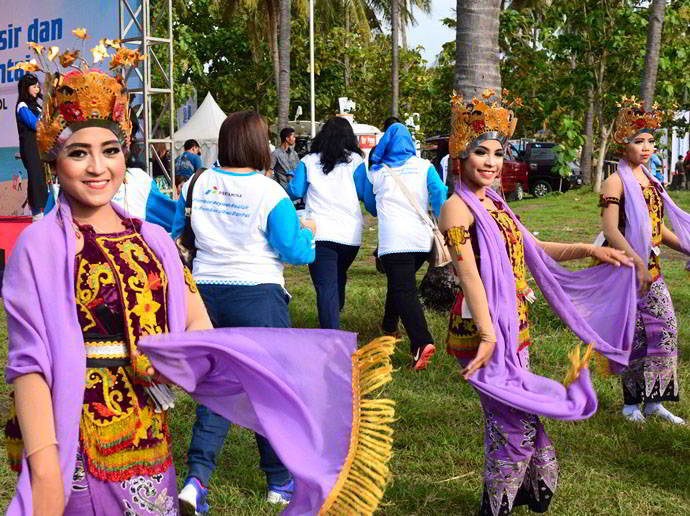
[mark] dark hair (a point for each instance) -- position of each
(335, 141)
(28, 80)
(191, 143)
(389, 122)
(243, 141)
(285, 133)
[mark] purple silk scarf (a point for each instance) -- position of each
(292, 386)
(597, 304)
(638, 229)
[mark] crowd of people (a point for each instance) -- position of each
(113, 313)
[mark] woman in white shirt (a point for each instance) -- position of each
(331, 180)
(404, 240)
(245, 227)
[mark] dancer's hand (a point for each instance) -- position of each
(644, 279)
(486, 349)
(47, 492)
(612, 256)
(152, 373)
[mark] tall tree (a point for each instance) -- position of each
(284, 52)
(476, 69)
(651, 58)
(476, 51)
(395, 56)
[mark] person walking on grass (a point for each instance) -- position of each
(489, 332)
(404, 240)
(633, 205)
(245, 228)
(331, 180)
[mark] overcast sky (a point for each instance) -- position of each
(429, 31)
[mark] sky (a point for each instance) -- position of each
(429, 31)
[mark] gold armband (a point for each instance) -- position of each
(456, 237)
(189, 280)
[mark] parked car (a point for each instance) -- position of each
(514, 178)
(538, 159)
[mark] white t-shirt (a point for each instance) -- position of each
(229, 218)
(331, 200)
(401, 230)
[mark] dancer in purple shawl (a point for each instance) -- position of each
(96, 299)
(633, 204)
(489, 330)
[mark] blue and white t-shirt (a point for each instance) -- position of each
(332, 200)
(245, 227)
(401, 230)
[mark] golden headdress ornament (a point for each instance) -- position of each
(76, 97)
(477, 121)
(632, 120)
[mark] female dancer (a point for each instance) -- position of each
(404, 239)
(28, 111)
(90, 432)
(633, 204)
(489, 329)
(331, 180)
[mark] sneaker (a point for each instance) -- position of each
(423, 357)
(193, 498)
(280, 494)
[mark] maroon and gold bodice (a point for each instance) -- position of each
(463, 335)
(121, 289)
(655, 209)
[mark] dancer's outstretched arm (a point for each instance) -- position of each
(670, 239)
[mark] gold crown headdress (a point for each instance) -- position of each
(478, 121)
(632, 120)
(77, 97)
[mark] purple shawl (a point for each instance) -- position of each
(597, 304)
(638, 229)
(293, 386)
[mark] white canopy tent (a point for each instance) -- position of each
(202, 127)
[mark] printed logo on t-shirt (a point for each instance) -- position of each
(215, 191)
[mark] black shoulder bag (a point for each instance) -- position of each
(186, 243)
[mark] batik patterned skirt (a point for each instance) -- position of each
(652, 374)
(520, 466)
(154, 495)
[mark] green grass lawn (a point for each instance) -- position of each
(608, 466)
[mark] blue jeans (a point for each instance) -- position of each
(231, 306)
(329, 275)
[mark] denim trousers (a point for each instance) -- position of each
(329, 276)
(230, 306)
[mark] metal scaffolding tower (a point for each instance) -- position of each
(147, 26)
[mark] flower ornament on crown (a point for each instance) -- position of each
(76, 96)
(477, 121)
(632, 120)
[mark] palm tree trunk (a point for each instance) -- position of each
(586, 155)
(651, 58)
(284, 78)
(273, 16)
(395, 65)
(403, 25)
(476, 68)
(476, 55)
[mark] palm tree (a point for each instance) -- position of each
(651, 58)
(284, 51)
(476, 54)
(476, 69)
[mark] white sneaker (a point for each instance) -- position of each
(633, 413)
(193, 498)
(657, 409)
